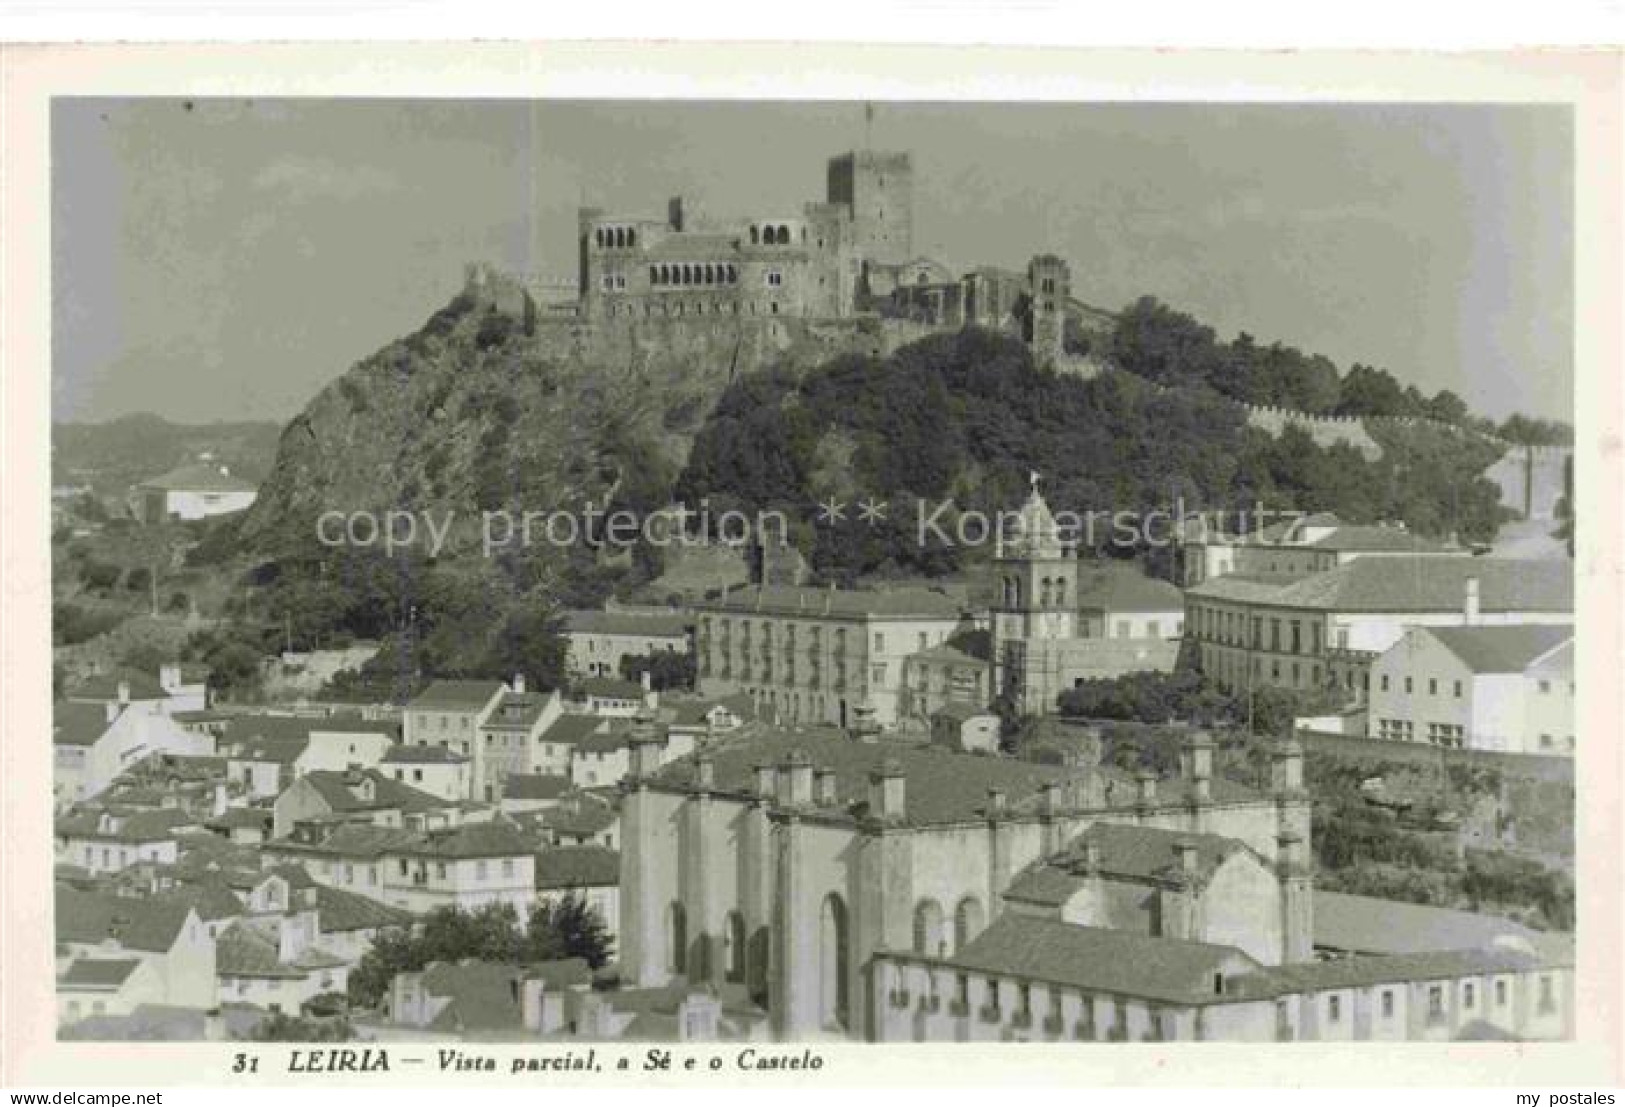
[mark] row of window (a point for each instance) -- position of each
(1236, 628)
(680, 308)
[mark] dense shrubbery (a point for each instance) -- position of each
(667, 669)
(968, 416)
(553, 931)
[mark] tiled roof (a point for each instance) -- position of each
(146, 924)
(481, 995)
(577, 867)
(198, 477)
(338, 911)
(456, 695)
(246, 818)
(1502, 649)
(403, 754)
(97, 973)
(569, 729)
(1370, 539)
(1125, 587)
(942, 786)
(534, 786)
(517, 710)
(498, 838)
(105, 686)
(582, 818)
(610, 688)
(891, 603)
(211, 898)
(1408, 584)
(77, 724)
(1398, 968)
(1121, 962)
(1137, 853)
(240, 950)
(351, 840)
(631, 623)
(141, 826)
(607, 741)
(1365, 924)
(341, 791)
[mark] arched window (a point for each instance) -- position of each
(754, 236)
(631, 237)
(733, 274)
(654, 274)
(598, 237)
(930, 937)
(784, 236)
(677, 938)
(967, 921)
(710, 274)
(833, 1006)
(1044, 593)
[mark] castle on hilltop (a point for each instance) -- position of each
(848, 256)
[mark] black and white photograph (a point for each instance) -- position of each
(550, 574)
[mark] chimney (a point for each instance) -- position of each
(112, 710)
(888, 792)
(1147, 793)
(1185, 855)
(651, 698)
(214, 1027)
(1091, 857)
(1470, 603)
(1199, 766)
(766, 779)
(645, 742)
(995, 802)
(795, 780)
(705, 771)
(169, 677)
(123, 691)
(1049, 798)
(220, 801)
(519, 684)
(1286, 768)
(824, 791)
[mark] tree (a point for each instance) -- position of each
(667, 669)
(565, 928)
(282, 1027)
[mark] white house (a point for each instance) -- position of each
(437, 770)
(93, 743)
(1509, 689)
(190, 492)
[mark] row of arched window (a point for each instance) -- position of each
(716, 307)
(709, 273)
(932, 937)
(616, 238)
(1051, 592)
(774, 234)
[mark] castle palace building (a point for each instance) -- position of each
(806, 262)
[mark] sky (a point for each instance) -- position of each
(225, 259)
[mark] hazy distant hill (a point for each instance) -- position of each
(114, 455)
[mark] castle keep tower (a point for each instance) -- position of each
(1050, 286)
(879, 189)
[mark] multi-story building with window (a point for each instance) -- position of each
(1323, 631)
(1509, 689)
(816, 655)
